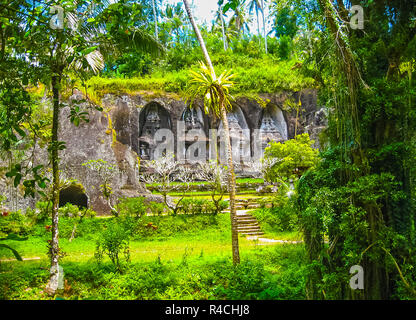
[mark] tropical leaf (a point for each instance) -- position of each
(15, 253)
(213, 90)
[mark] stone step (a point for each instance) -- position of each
(245, 225)
(250, 231)
(248, 226)
(246, 201)
(247, 220)
(259, 233)
(244, 216)
(248, 207)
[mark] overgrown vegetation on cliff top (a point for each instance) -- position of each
(267, 75)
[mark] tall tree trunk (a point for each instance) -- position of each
(264, 25)
(231, 175)
(238, 22)
(231, 189)
(155, 17)
(224, 39)
(258, 25)
(54, 279)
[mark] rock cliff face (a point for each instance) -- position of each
(92, 141)
(125, 131)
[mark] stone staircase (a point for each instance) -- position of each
(247, 224)
(244, 204)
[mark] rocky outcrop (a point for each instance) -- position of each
(118, 136)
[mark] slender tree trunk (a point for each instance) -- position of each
(258, 25)
(199, 36)
(296, 123)
(155, 17)
(238, 22)
(231, 175)
(264, 25)
(54, 279)
(231, 189)
(224, 39)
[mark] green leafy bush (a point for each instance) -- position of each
(113, 242)
(195, 206)
(277, 219)
(281, 215)
(86, 228)
(294, 158)
(242, 282)
(156, 208)
(133, 207)
(14, 223)
(69, 210)
(43, 211)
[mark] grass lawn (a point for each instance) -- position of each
(190, 258)
(215, 244)
(265, 272)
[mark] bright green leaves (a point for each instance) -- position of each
(294, 157)
(113, 242)
(15, 172)
(37, 180)
(77, 115)
(15, 106)
(57, 145)
(15, 253)
(213, 90)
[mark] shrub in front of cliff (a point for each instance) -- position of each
(113, 242)
(195, 206)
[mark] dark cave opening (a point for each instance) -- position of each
(75, 195)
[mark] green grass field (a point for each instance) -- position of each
(190, 258)
(212, 240)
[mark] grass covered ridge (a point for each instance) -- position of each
(253, 75)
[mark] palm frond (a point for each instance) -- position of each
(135, 39)
(15, 253)
(95, 60)
(213, 90)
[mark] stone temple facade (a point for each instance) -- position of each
(127, 130)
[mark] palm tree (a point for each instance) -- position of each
(217, 100)
(264, 26)
(155, 18)
(240, 19)
(220, 17)
(255, 5)
(175, 19)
